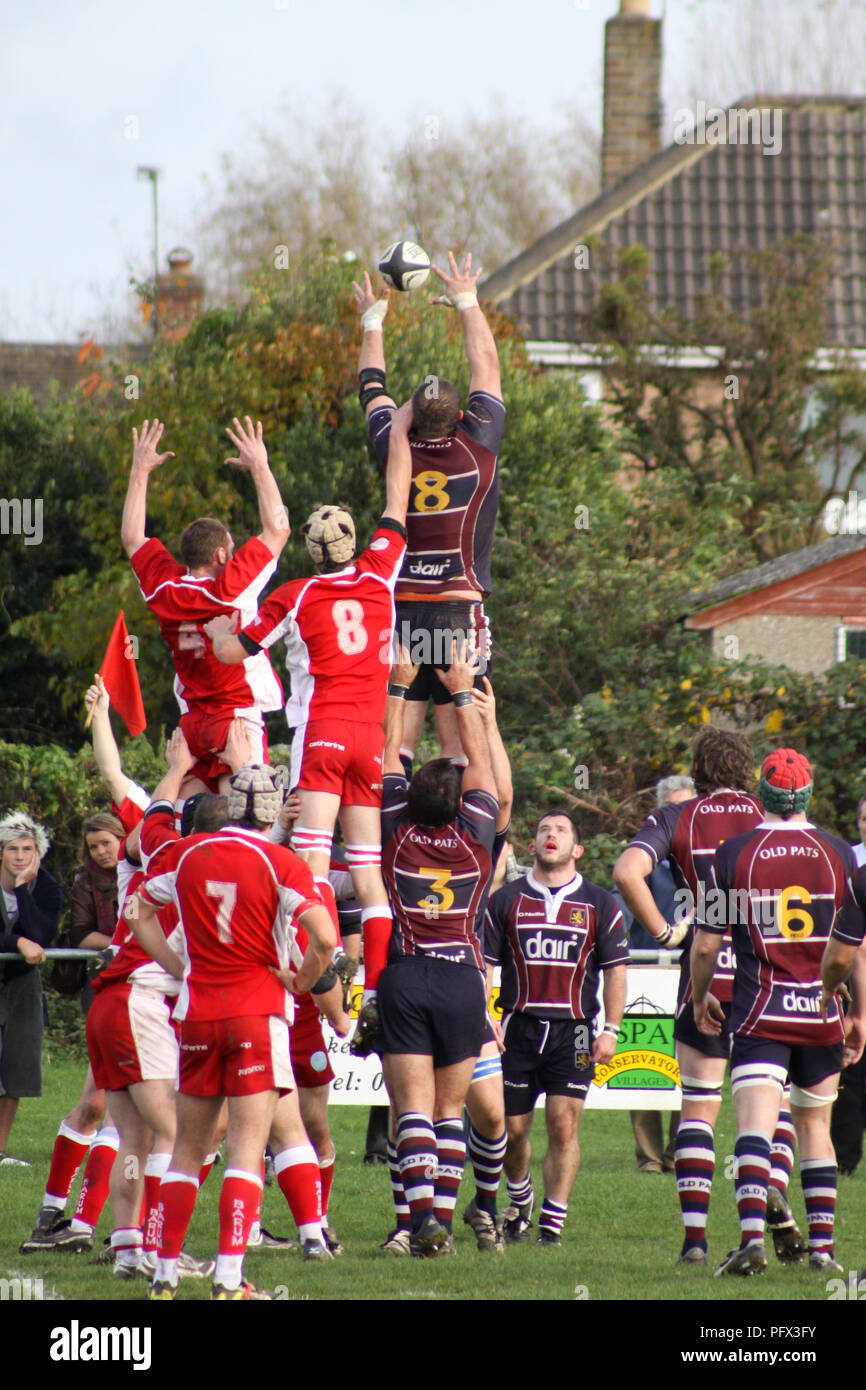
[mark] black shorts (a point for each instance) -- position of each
(545, 1056)
(802, 1064)
(426, 631)
(710, 1045)
(432, 1008)
(21, 1034)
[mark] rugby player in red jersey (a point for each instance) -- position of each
(437, 842)
(337, 625)
(213, 583)
(553, 932)
(687, 835)
(233, 1006)
(778, 888)
(455, 497)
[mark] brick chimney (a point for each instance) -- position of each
(179, 295)
(632, 86)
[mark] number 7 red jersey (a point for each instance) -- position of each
(337, 629)
(236, 894)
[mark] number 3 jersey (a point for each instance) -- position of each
(780, 888)
(337, 629)
(437, 876)
(453, 502)
(551, 944)
(236, 894)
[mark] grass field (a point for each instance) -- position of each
(620, 1242)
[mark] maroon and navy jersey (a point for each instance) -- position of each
(337, 629)
(779, 888)
(453, 501)
(851, 923)
(551, 944)
(236, 893)
(436, 877)
(688, 835)
(184, 603)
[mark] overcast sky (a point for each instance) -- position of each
(93, 88)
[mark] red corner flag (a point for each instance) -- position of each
(121, 678)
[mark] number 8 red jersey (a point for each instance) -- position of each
(337, 629)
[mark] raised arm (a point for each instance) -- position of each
(253, 456)
(104, 746)
(398, 474)
(458, 681)
(461, 293)
(485, 703)
(402, 675)
(144, 460)
(371, 366)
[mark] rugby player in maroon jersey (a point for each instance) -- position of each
(553, 932)
(213, 583)
(779, 888)
(437, 840)
(688, 835)
(455, 496)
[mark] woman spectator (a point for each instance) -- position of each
(93, 900)
(30, 901)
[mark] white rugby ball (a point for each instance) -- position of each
(404, 265)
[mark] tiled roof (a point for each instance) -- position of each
(775, 571)
(691, 201)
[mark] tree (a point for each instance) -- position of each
(753, 447)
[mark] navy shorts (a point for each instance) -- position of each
(545, 1056)
(710, 1045)
(803, 1064)
(426, 631)
(432, 1008)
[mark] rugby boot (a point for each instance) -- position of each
(49, 1220)
(316, 1250)
(346, 969)
(265, 1241)
(246, 1292)
(488, 1235)
(788, 1243)
(516, 1223)
(429, 1239)
(824, 1262)
(161, 1291)
(692, 1255)
(332, 1240)
(547, 1237)
(368, 1037)
(748, 1259)
(396, 1244)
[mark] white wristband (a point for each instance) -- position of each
(371, 319)
(465, 299)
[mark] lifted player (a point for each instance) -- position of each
(455, 497)
(779, 888)
(337, 626)
(212, 583)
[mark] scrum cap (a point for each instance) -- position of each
(330, 536)
(256, 793)
(786, 782)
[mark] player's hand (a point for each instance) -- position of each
(238, 749)
(855, 1037)
(247, 439)
(364, 296)
(709, 1016)
(177, 753)
(97, 695)
(27, 874)
(674, 935)
(463, 281)
(485, 703)
(463, 669)
(144, 455)
(32, 952)
(603, 1048)
(289, 812)
(402, 670)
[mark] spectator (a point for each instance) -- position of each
(30, 903)
(93, 900)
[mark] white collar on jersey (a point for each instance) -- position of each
(784, 825)
(554, 896)
(245, 830)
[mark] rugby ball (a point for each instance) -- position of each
(404, 265)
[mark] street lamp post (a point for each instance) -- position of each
(148, 171)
